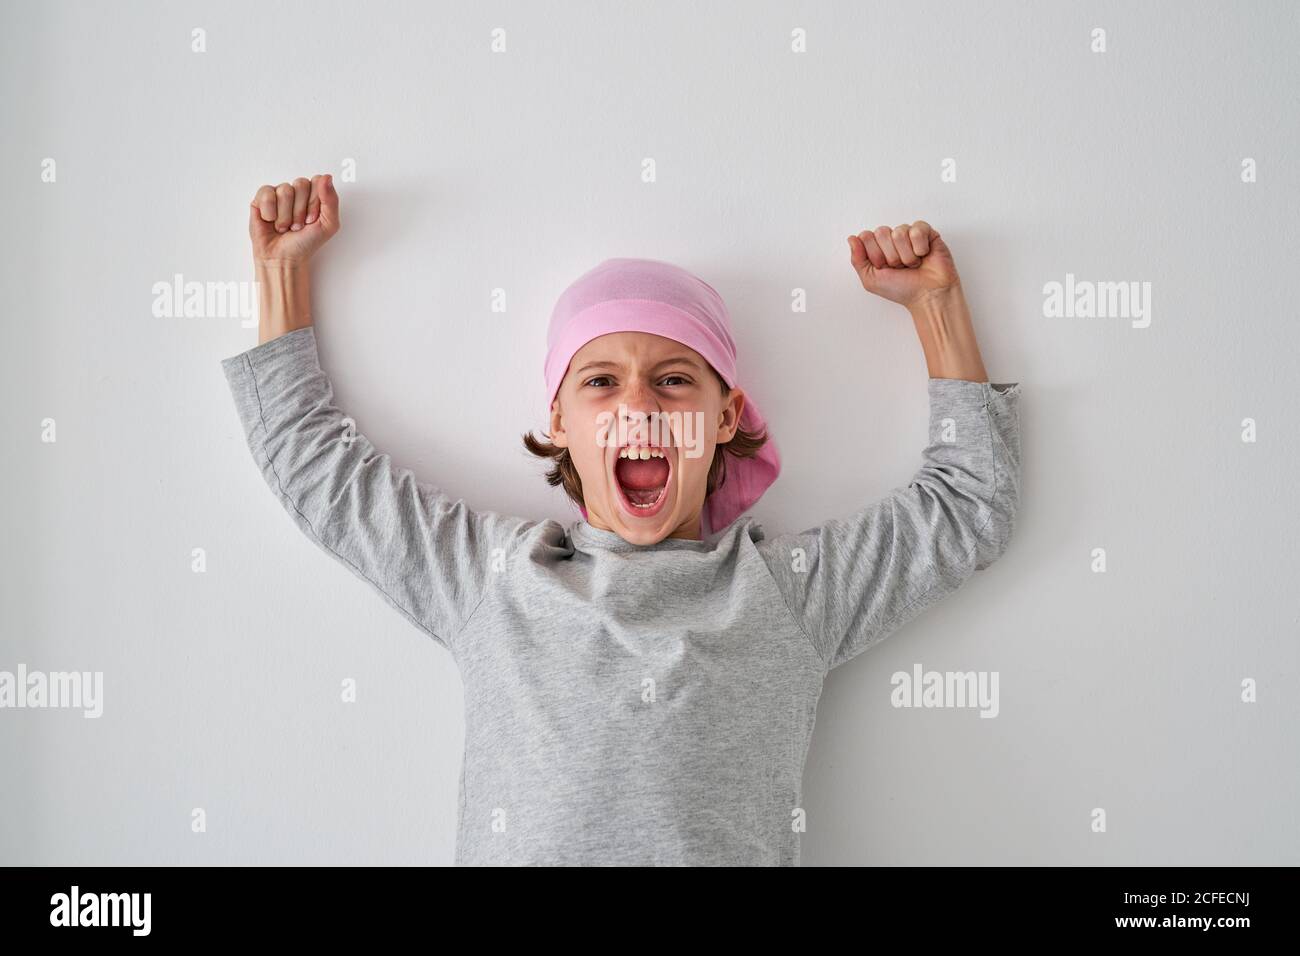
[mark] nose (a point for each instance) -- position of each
(640, 405)
(639, 396)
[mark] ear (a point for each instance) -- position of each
(729, 418)
(559, 437)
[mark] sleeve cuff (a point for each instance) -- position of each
(292, 347)
(959, 392)
(272, 366)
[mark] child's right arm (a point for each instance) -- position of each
(429, 556)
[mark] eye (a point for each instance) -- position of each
(667, 379)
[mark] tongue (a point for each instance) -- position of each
(642, 478)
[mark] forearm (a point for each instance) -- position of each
(943, 324)
(284, 297)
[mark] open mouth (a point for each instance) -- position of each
(642, 475)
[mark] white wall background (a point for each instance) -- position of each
(519, 170)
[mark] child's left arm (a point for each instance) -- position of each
(851, 582)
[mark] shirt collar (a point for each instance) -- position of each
(586, 537)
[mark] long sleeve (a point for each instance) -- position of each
(427, 555)
(852, 582)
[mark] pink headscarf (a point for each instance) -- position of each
(646, 295)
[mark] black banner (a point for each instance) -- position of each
(334, 905)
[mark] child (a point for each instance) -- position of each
(641, 685)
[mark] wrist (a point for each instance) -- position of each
(936, 304)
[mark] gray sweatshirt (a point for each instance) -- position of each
(630, 704)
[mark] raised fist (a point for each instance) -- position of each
(903, 264)
(293, 220)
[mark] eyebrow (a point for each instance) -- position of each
(676, 360)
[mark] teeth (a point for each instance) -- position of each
(642, 453)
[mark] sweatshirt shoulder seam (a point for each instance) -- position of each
(515, 534)
(794, 617)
